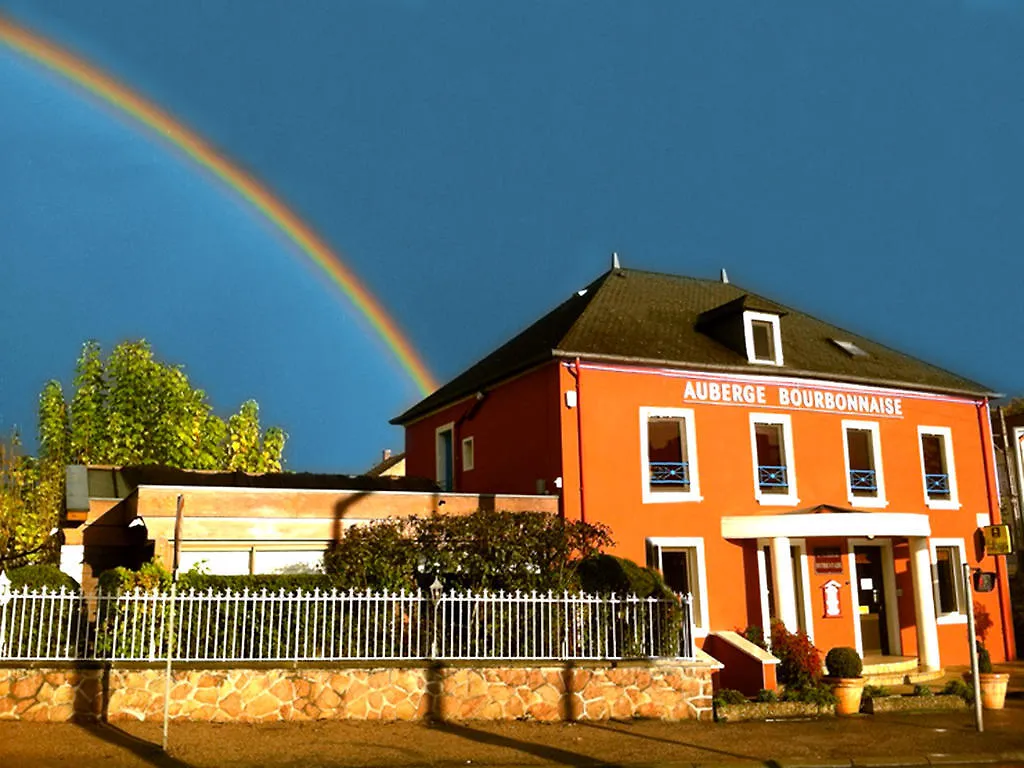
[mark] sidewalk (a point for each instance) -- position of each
(896, 739)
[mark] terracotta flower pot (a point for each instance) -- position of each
(847, 691)
(993, 688)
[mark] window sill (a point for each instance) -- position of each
(951, 618)
(700, 632)
(867, 502)
(771, 500)
(671, 498)
(942, 503)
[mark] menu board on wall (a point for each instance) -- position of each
(828, 560)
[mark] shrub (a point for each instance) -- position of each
(729, 696)
(754, 634)
(923, 690)
(843, 662)
(959, 688)
(604, 574)
(767, 696)
(490, 550)
(150, 576)
(984, 660)
(799, 660)
(876, 691)
(820, 695)
(38, 576)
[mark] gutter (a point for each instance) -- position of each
(974, 394)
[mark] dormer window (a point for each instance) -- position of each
(763, 339)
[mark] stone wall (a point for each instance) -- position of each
(549, 693)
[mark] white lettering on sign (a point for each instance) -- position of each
(802, 398)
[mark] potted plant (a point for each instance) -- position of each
(844, 667)
(992, 684)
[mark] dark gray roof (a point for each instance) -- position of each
(646, 317)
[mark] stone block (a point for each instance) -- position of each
(515, 708)
(339, 683)
(264, 707)
(549, 694)
(544, 712)
(580, 679)
(378, 680)
(38, 712)
(409, 681)
(64, 694)
(60, 713)
(231, 705)
(513, 677)
(374, 700)
(596, 709)
(622, 708)
(406, 710)
(328, 699)
(206, 695)
(26, 687)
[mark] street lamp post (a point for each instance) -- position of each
(435, 596)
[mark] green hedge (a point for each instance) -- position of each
(39, 576)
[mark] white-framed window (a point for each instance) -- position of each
(668, 455)
(681, 563)
(948, 558)
(468, 454)
(771, 447)
(444, 451)
(938, 470)
(862, 450)
(763, 338)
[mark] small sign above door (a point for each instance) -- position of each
(828, 560)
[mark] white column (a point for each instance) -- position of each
(782, 582)
(924, 604)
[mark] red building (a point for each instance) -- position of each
(771, 464)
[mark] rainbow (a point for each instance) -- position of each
(166, 127)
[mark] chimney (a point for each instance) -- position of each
(386, 454)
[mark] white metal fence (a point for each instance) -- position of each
(338, 625)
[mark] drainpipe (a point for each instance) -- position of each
(574, 371)
(1001, 578)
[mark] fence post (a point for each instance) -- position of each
(5, 598)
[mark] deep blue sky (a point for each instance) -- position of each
(476, 162)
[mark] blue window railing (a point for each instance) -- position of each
(937, 485)
(670, 473)
(772, 478)
(863, 480)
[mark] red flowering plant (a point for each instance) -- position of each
(799, 661)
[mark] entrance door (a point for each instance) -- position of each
(874, 630)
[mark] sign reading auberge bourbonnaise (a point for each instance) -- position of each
(793, 398)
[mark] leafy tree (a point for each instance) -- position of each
(133, 409)
(126, 409)
(26, 510)
(484, 550)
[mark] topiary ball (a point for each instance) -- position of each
(843, 662)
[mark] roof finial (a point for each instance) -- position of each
(615, 260)
(725, 276)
